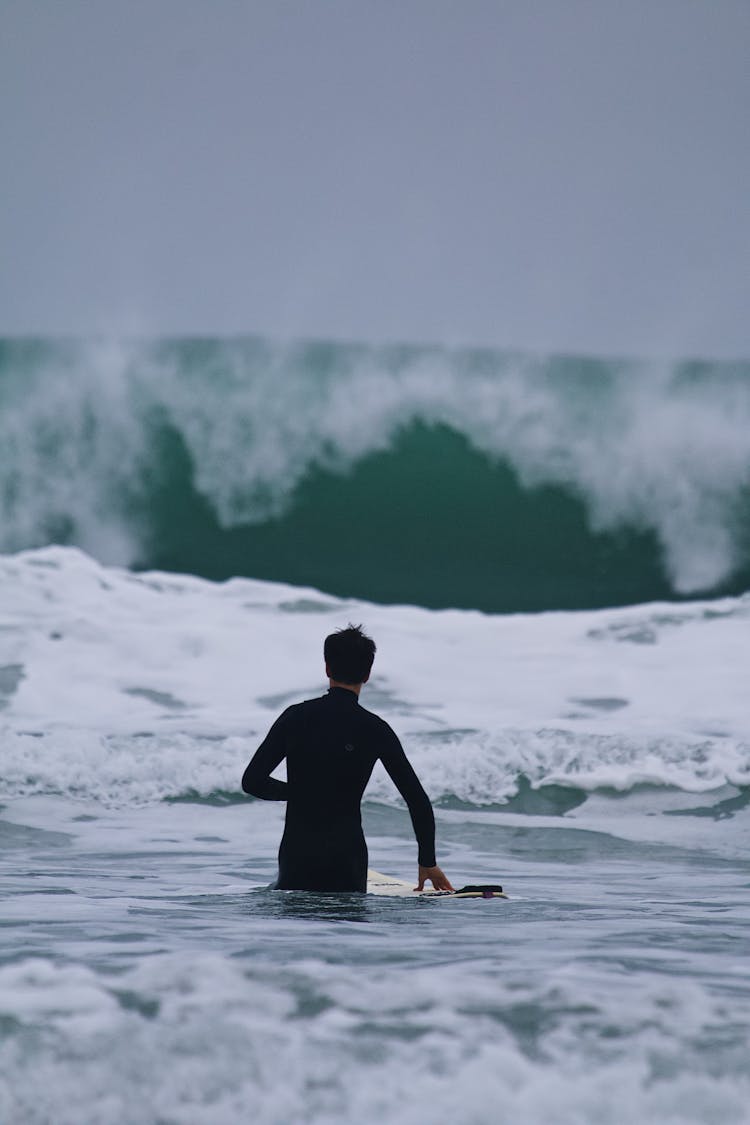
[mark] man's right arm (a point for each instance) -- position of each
(257, 780)
(402, 775)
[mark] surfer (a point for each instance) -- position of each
(331, 745)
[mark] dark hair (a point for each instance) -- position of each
(349, 654)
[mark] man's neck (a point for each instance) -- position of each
(356, 688)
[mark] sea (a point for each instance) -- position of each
(552, 554)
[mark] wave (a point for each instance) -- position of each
(131, 689)
(467, 478)
(547, 773)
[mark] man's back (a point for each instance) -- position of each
(332, 746)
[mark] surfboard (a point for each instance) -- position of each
(387, 885)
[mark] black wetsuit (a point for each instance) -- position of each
(331, 745)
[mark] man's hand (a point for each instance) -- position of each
(439, 881)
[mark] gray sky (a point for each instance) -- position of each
(568, 174)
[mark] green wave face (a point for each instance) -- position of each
(443, 478)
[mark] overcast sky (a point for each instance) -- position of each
(556, 174)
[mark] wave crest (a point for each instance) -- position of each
(131, 450)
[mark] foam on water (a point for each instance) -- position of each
(212, 1040)
(133, 688)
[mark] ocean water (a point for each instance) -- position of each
(553, 556)
(597, 763)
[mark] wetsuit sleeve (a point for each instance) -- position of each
(257, 780)
(402, 775)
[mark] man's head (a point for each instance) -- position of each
(349, 655)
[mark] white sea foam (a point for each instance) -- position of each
(72, 449)
(131, 688)
(211, 1040)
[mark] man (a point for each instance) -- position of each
(331, 745)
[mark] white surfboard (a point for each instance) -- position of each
(387, 885)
